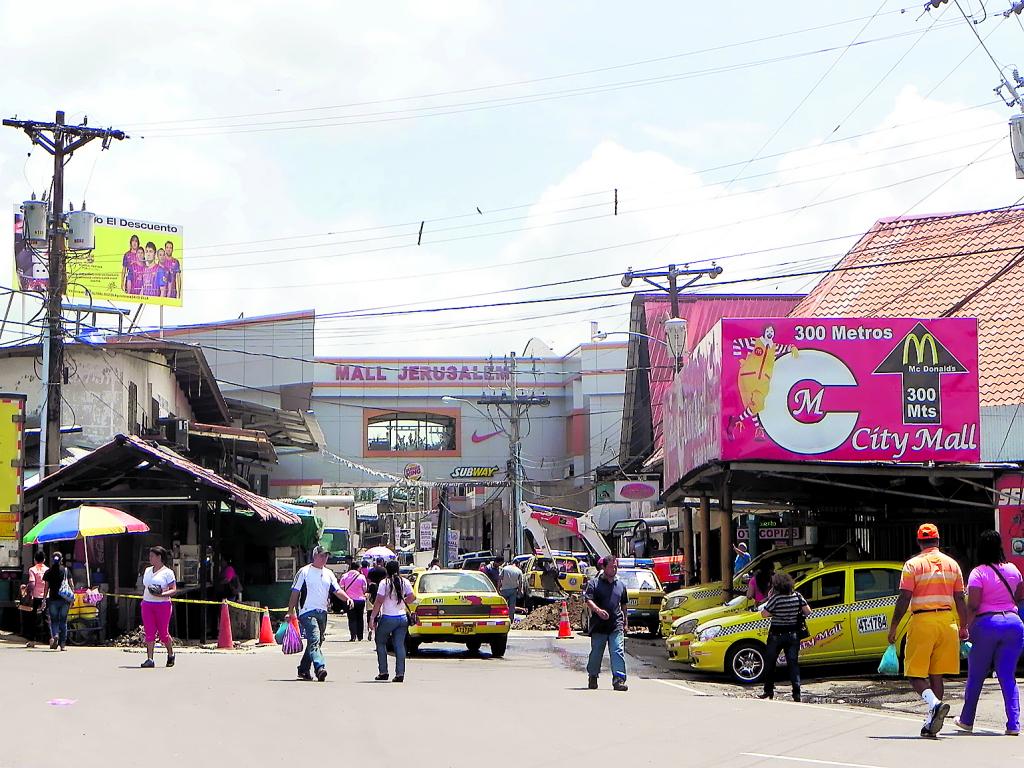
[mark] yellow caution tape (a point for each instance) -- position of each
(231, 603)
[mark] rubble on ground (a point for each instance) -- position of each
(546, 617)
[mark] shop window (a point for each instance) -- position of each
(826, 590)
(411, 433)
(872, 583)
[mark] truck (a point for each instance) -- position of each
(340, 537)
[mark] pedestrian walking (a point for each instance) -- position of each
(784, 607)
(58, 578)
(390, 620)
(36, 593)
(490, 570)
(607, 599)
(310, 597)
(353, 583)
(374, 577)
(511, 582)
(931, 587)
(158, 585)
(994, 589)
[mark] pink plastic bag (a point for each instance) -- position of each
(292, 639)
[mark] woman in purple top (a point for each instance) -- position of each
(994, 590)
(131, 267)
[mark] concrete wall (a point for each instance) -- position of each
(96, 395)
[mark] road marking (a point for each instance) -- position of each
(808, 760)
(681, 687)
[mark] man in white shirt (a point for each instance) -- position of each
(319, 582)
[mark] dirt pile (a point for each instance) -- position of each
(136, 638)
(547, 616)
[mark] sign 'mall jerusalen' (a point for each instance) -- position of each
(878, 389)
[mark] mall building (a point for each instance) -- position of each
(384, 418)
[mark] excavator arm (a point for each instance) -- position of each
(536, 518)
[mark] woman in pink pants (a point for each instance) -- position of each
(159, 585)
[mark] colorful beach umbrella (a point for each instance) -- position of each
(81, 523)
(374, 552)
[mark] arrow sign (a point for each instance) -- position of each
(921, 360)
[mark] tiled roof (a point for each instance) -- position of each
(950, 265)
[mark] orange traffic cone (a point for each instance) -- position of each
(224, 640)
(266, 631)
(564, 630)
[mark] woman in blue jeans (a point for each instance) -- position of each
(994, 589)
(390, 620)
(56, 606)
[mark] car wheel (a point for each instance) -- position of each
(474, 646)
(498, 646)
(746, 662)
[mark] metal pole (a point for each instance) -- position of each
(687, 524)
(725, 542)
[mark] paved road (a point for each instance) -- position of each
(454, 710)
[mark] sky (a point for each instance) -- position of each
(302, 146)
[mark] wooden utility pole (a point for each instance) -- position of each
(61, 141)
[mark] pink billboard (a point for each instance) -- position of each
(842, 389)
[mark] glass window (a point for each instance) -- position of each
(826, 590)
(870, 583)
(639, 580)
(336, 542)
(410, 432)
(448, 582)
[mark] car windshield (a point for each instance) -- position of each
(639, 580)
(445, 583)
(562, 564)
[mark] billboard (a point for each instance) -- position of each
(1010, 502)
(12, 455)
(136, 262)
(900, 390)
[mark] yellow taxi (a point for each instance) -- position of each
(851, 608)
(455, 606)
(645, 593)
(688, 600)
(571, 577)
(684, 628)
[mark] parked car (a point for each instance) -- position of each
(851, 609)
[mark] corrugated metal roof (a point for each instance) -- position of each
(701, 312)
(130, 448)
(950, 265)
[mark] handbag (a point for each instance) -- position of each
(66, 592)
(802, 632)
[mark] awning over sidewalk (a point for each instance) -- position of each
(129, 469)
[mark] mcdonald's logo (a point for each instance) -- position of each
(919, 343)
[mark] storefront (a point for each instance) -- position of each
(851, 431)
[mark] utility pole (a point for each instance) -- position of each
(61, 141)
(676, 349)
(518, 406)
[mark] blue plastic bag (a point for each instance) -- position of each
(281, 632)
(890, 664)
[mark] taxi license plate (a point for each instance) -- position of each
(634, 601)
(463, 629)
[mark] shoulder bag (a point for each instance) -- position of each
(66, 592)
(802, 631)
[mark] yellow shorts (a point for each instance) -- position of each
(933, 645)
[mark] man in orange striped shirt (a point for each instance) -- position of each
(932, 586)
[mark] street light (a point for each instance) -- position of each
(675, 336)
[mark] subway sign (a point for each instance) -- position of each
(474, 473)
